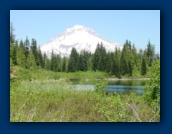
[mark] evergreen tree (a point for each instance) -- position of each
(12, 46)
(102, 58)
(26, 46)
(130, 68)
(47, 64)
(86, 56)
(44, 60)
(112, 67)
(135, 57)
(80, 64)
(116, 63)
(21, 58)
(58, 62)
(31, 63)
(90, 63)
(35, 51)
(14, 52)
(141, 54)
(99, 59)
(64, 65)
(53, 64)
(96, 58)
(127, 59)
(40, 58)
(143, 67)
(11, 51)
(12, 35)
(150, 53)
(108, 62)
(73, 60)
(124, 59)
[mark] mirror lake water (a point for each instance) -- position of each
(119, 86)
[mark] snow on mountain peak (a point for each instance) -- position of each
(79, 37)
(76, 27)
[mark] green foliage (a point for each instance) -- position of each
(100, 87)
(64, 64)
(53, 65)
(40, 58)
(152, 89)
(150, 53)
(21, 58)
(31, 63)
(99, 58)
(26, 47)
(12, 35)
(143, 67)
(47, 63)
(38, 94)
(127, 61)
(50, 98)
(49, 101)
(82, 61)
(13, 52)
(34, 49)
(116, 66)
(73, 61)
(120, 63)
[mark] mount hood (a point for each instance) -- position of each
(79, 37)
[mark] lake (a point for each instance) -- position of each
(119, 86)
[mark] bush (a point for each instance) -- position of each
(152, 90)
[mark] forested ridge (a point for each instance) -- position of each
(125, 62)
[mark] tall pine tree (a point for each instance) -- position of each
(116, 63)
(64, 65)
(26, 46)
(73, 60)
(12, 35)
(31, 63)
(35, 50)
(143, 67)
(150, 53)
(21, 58)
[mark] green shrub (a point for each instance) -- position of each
(152, 90)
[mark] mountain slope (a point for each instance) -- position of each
(79, 37)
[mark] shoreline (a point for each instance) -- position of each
(73, 79)
(120, 79)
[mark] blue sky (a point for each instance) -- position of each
(138, 26)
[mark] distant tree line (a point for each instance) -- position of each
(120, 62)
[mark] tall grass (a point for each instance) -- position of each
(41, 74)
(57, 102)
(45, 96)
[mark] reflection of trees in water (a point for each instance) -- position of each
(128, 82)
(143, 82)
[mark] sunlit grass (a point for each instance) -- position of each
(45, 96)
(56, 102)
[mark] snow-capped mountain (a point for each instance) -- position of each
(78, 37)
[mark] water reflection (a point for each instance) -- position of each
(136, 86)
(124, 89)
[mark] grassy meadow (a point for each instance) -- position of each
(45, 96)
